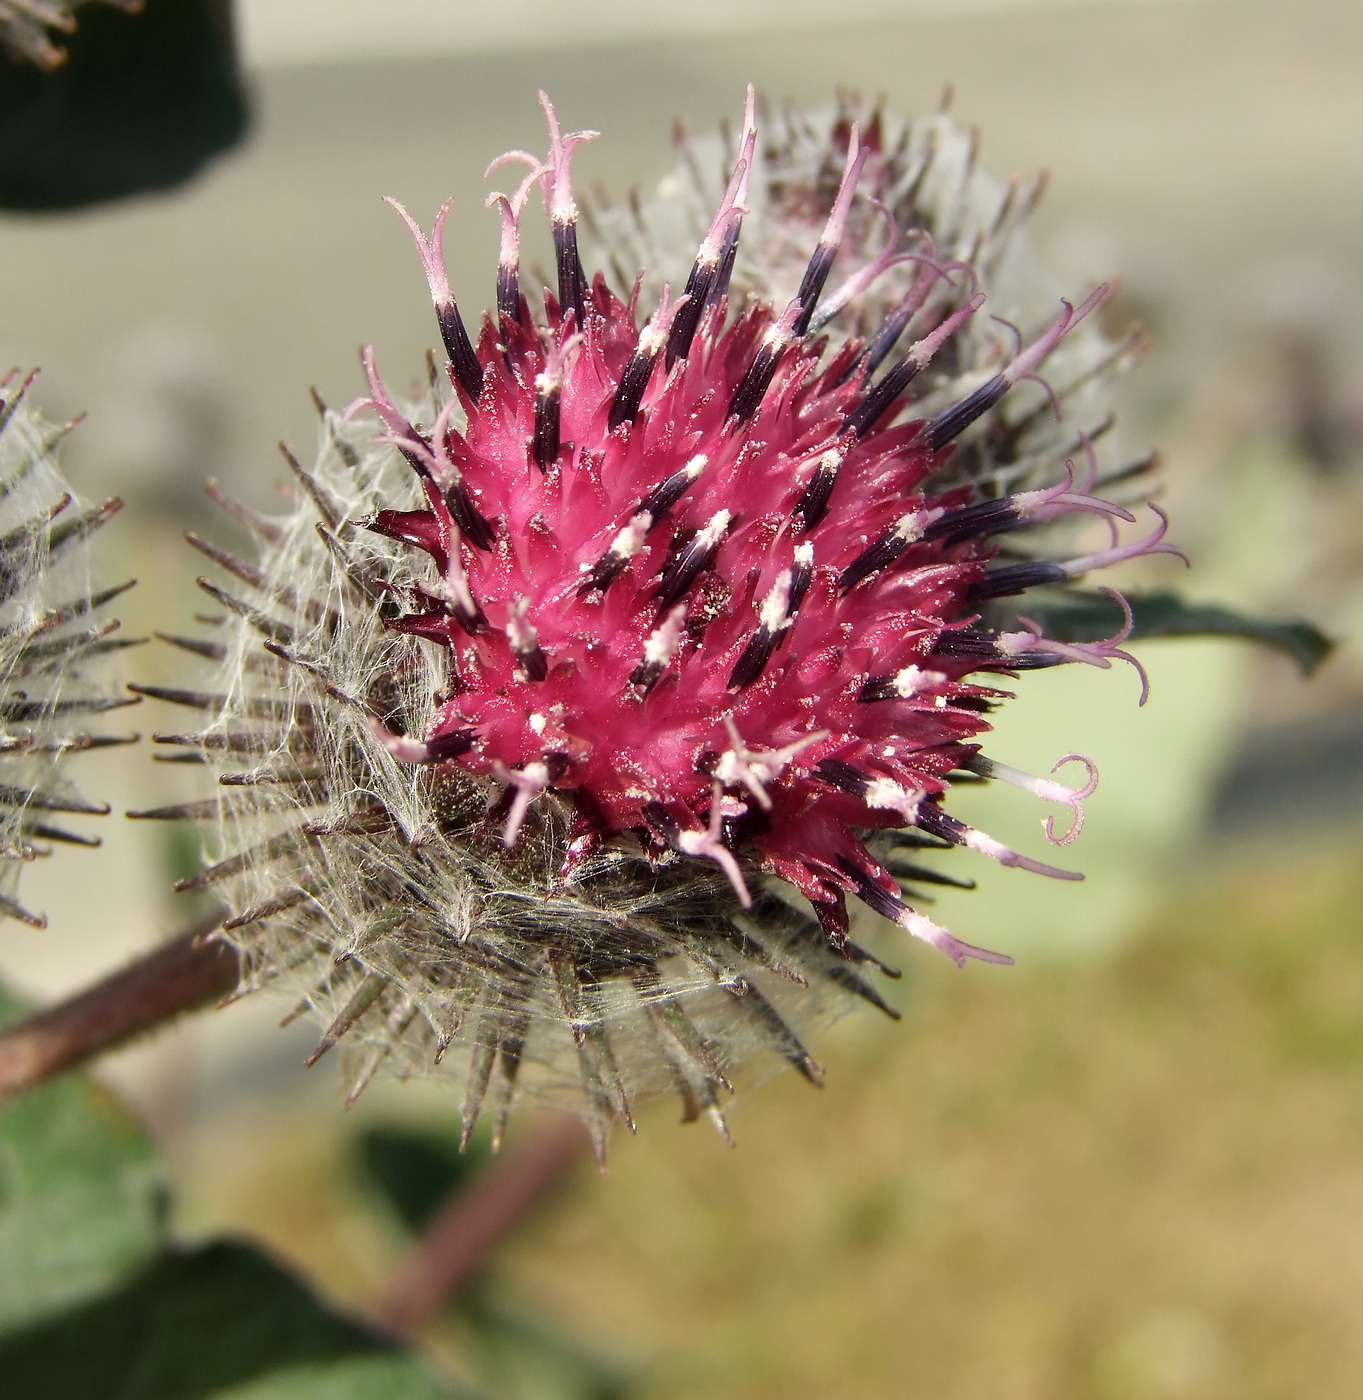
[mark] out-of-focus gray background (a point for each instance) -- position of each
(1211, 155)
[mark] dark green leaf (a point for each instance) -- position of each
(1089, 617)
(416, 1171)
(218, 1321)
(81, 1200)
(141, 103)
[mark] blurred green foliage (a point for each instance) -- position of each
(215, 1321)
(96, 1298)
(413, 1172)
(1076, 616)
(80, 1196)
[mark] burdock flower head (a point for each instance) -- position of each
(563, 713)
(53, 644)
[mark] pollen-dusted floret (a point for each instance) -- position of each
(54, 644)
(567, 709)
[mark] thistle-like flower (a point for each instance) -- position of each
(563, 713)
(53, 643)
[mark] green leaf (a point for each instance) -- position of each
(1089, 617)
(220, 1322)
(141, 103)
(81, 1197)
(94, 1301)
(416, 1171)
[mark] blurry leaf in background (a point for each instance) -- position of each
(1089, 617)
(218, 1320)
(142, 101)
(95, 1300)
(520, 1359)
(81, 1197)
(416, 1171)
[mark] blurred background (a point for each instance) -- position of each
(1130, 1167)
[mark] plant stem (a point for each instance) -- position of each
(188, 973)
(466, 1230)
(181, 975)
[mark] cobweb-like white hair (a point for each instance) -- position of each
(54, 644)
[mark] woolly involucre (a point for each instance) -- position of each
(561, 715)
(53, 644)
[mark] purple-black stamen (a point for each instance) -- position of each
(978, 703)
(953, 421)
(532, 661)
(875, 688)
(755, 383)
(699, 284)
(881, 395)
(777, 615)
(977, 519)
(626, 544)
(572, 285)
(875, 557)
(604, 572)
(984, 647)
(647, 674)
(875, 896)
(661, 820)
(1016, 578)
(670, 489)
(691, 561)
(630, 391)
(814, 499)
(753, 661)
(473, 524)
(728, 252)
(885, 339)
(509, 292)
(548, 404)
(967, 642)
(941, 824)
(811, 285)
(843, 776)
(450, 744)
(460, 349)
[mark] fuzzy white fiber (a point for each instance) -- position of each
(54, 645)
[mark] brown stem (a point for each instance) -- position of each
(179, 976)
(464, 1232)
(186, 974)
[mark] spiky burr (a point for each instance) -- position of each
(54, 644)
(560, 717)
